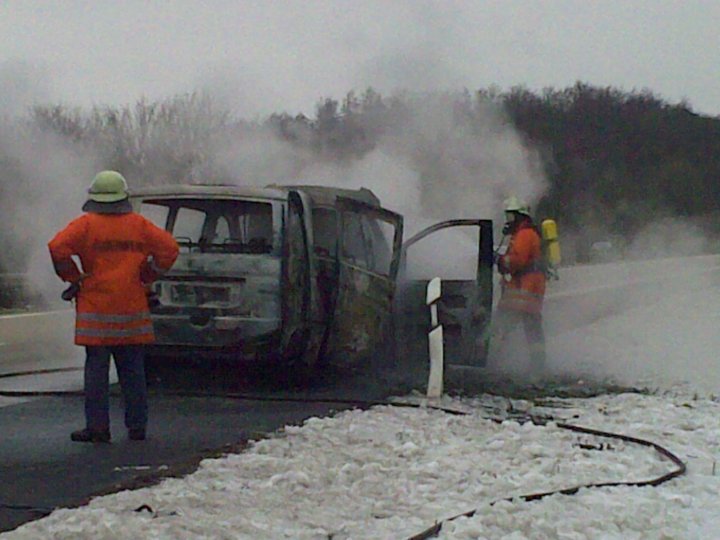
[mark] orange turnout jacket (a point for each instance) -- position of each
(526, 288)
(114, 251)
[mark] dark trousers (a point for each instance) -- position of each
(130, 366)
(506, 320)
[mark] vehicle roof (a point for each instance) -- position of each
(321, 195)
(325, 195)
(208, 190)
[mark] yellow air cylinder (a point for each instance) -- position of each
(550, 235)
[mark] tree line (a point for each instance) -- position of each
(614, 160)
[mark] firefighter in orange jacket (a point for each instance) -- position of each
(523, 280)
(120, 253)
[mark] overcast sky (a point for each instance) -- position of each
(269, 56)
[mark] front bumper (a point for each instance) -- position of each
(205, 334)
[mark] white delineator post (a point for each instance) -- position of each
(435, 341)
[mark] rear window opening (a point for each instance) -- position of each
(216, 225)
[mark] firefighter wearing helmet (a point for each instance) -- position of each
(120, 253)
(523, 281)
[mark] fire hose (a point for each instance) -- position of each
(680, 469)
(434, 530)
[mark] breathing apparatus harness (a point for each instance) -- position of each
(544, 264)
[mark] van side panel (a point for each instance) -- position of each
(364, 282)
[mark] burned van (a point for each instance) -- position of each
(304, 275)
(300, 273)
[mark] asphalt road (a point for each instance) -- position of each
(41, 468)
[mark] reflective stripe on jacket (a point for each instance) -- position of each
(113, 249)
(526, 288)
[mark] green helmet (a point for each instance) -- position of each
(513, 204)
(108, 187)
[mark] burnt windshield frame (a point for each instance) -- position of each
(227, 210)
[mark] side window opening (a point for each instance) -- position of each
(355, 246)
(155, 212)
(255, 225)
(221, 235)
(324, 231)
(371, 237)
(189, 225)
(381, 235)
(450, 252)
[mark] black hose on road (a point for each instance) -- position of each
(680, 469)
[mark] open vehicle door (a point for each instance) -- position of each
(296, 280)
(368, 257)
(465, 306)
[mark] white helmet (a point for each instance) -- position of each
(513, 204)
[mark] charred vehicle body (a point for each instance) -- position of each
(304, 275)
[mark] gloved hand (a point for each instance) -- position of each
(71, 292)
(152, 296)
(147, 273)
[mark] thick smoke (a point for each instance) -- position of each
(670, 237)
(43, 177)
(23, 84)
(43, 188)
(432, 166)
(438, 164)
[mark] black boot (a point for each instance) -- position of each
(91, 435)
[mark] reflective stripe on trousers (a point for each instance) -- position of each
(114, 318)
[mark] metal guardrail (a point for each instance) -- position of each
(37, 327)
